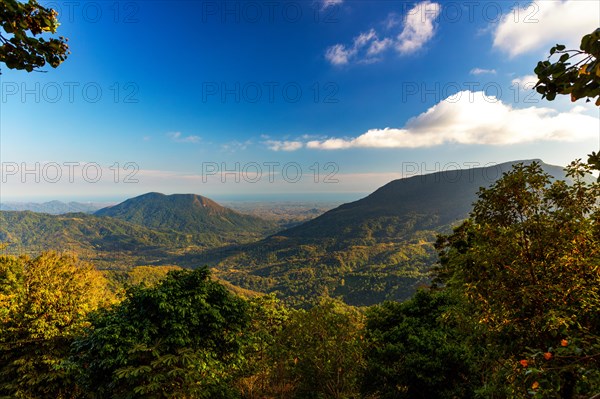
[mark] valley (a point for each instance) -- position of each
(378, 248)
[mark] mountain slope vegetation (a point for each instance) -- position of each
(188, 213)
(108, 242)
(378, 248)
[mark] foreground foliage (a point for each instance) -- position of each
(44, 303)
(528, 264)
(21, 46)
(418, 351)
(576, 73)
(178, 339)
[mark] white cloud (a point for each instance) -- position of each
(525, 83)
(364, 38)
(379, 46)
(277, 145)
(179, 138)
(418, 29)
(392, 20)
(541, 24)
(473, 118)
(481, 71)
(309, 136)
(364, 47)
(338, 54)
(330, 3)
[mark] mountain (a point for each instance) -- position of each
(52, 207)
(432, 201)
(377, 248)
(188, 213)
(146, 230)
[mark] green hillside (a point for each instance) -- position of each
(407, 205)
(188, 213)
(377, 248)
(108, 242)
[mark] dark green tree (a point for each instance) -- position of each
(575, 73)
(21, 45)
(418, 350)
(181, 338)
(528, 264)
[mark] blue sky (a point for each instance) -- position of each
(292, 98)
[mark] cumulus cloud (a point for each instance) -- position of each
(481, 71)
(180, 138)
(338, 54)
(418, 29)
(277, 145)
(473, 118)
(541, 24)
(379, 46)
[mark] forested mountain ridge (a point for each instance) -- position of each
(149, 229)
(440, 198)
(189, 213)
(108, 242)
(377, 248)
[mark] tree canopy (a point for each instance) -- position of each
(575, 73)
(180, 338)
(417, 351)
(21, 43)
(44, 302)
(528, 264)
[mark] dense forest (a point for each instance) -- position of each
(513, 312)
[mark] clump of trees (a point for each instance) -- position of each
(417, 349)
(65, 334)
(179, 338)
(44, 306)
(527, 265)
